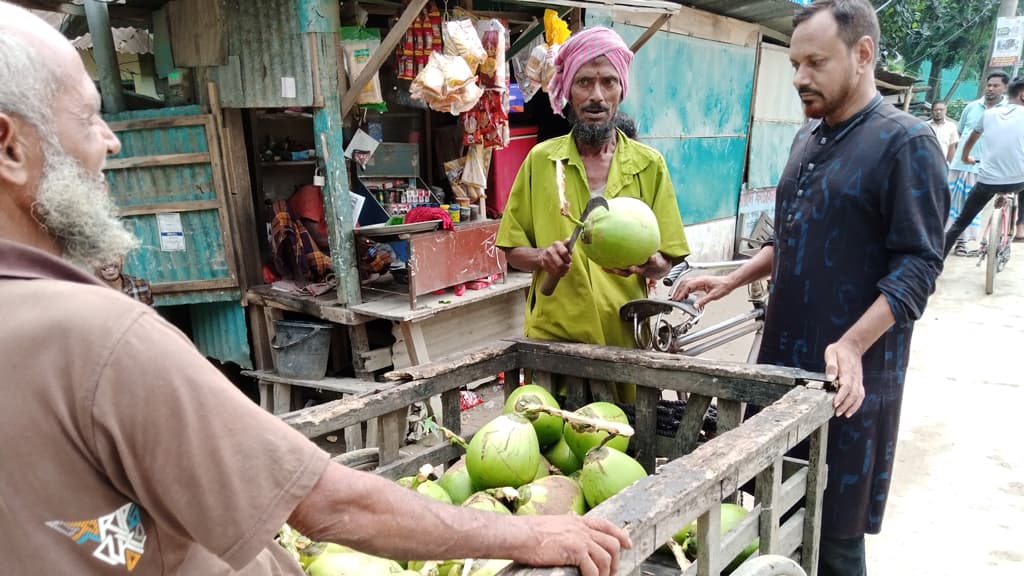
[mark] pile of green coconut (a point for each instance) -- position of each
(532, 459)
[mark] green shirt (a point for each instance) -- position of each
(585, 306)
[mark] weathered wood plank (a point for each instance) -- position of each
(457, 361)
(769, 496)
(158, 160)
(761, 373)
(338, 414)
(793, 489)
(577, 391)
(353, 386)
(816, 478)
(451, 413)
(155, 123)
(409, 466)
(360, 343)
(512, 378)
(732, 543)
(709, 556)
(689, 427)
(392, 435)
(658, 506)
(645, 440)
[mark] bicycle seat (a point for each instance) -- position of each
(647, 307)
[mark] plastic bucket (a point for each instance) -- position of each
(301, 349)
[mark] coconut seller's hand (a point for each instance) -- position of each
(592, 544)
(655, 267)
(713, 287)
(555, 259)
(843, 363)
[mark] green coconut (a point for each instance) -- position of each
(434, 490)
(309, 554)
(505, 452)
(488, 567)
(547, 426)
(624, 235)
(606, 472)
(732, 515)
(456, 482)
(563, 458)
(543, 468)
(352, 564)
(582, 438)
(549, 496)
(407, 482)
(486, 502)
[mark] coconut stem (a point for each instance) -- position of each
(680, 557)
(454, 438)
(615, 428)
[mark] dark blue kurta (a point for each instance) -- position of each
(859, 212)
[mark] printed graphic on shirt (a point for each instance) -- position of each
(119, 537)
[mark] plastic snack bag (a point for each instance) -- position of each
(358, 45)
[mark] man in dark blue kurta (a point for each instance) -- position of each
(859, 234)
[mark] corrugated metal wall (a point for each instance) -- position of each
(777, 117)
(691, 101)
(219, 331)
(204, 257)
(265, 49)
(217, 317)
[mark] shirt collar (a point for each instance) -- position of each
(839, 131)
(20, 261)
(629, 160)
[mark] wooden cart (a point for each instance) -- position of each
(696, 478)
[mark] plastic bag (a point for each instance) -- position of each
(446, 84)
(358, 45)
(474, 176)
(556, 30)
(461, 39)
(493, 72)
(527, 65)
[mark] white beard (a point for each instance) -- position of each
(75, 207)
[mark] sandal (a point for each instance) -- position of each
(961, 250)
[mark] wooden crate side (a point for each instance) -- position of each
(656, 507)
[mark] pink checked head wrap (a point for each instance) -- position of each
(581, 48)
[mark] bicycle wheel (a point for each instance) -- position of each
(995, 233)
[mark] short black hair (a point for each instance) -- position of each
(1001, 75)
(937, 102)
(855, 19)
(1016, 87)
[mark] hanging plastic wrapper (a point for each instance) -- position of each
(474, 175)
(446, 84)
(487, 123)
(535, 65)
(422, 38)
(493, 72)
(461, 39)
(358, 45)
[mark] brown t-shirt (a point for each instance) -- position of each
(123, 450)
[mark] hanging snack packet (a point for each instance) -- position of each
(358, 44)
(461, 39)
(493, 70)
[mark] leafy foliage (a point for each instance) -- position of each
(944, 32)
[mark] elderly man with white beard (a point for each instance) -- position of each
(123, 448)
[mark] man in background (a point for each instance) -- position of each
(945, 129)
(134, 287)
(962, 175)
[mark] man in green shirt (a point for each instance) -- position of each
(592, 74)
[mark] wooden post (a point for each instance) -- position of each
(651, 31)
(103, 51)
(816, 478)
(321, 21)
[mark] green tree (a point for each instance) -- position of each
(945, 32)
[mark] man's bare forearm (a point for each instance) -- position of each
(758, 267)
(376, 516)
(524, 258)
(875, 321)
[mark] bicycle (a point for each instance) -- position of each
(654, 327)
(998, 234)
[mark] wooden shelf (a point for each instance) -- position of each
(288, 163)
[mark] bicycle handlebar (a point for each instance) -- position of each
(684, 267)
